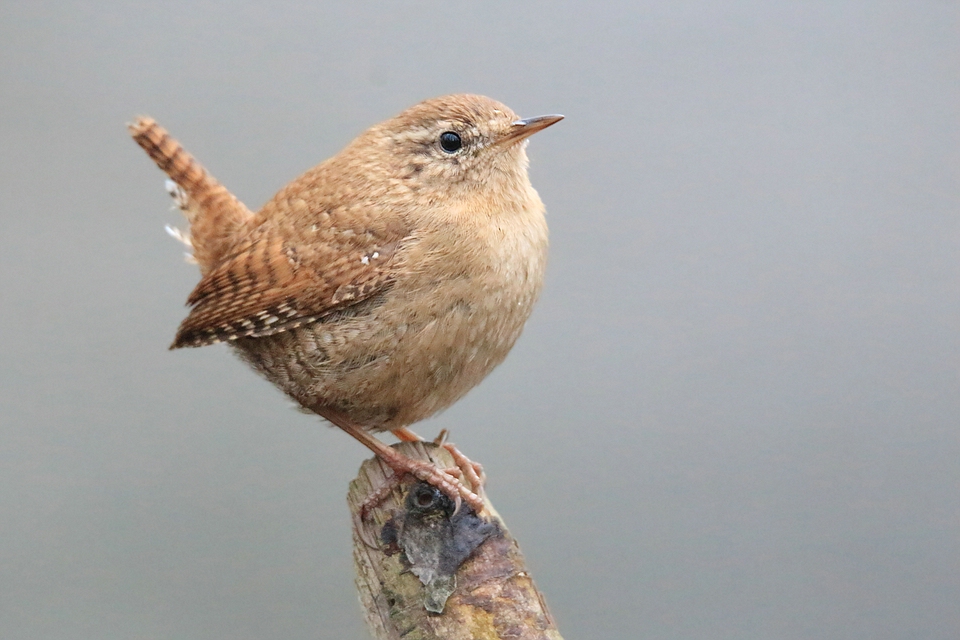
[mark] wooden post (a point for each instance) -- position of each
(410, 534)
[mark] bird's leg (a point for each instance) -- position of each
(447, 480)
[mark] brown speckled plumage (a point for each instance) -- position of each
(380, 286)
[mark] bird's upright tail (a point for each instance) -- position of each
(215, 215)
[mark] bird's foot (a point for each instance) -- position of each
(449, 481)
(465, 467)
(473, 471)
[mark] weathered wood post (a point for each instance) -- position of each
(424, 573)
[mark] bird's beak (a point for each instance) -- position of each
(522, 129)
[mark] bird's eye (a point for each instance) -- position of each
(450, 141)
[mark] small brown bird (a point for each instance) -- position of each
(383, 284)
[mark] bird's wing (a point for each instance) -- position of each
(271, 284)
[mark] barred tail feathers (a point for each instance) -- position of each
(215, 215)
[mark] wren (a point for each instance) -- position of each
(383, 284)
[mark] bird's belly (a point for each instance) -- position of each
(401, 359)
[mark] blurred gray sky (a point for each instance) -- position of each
(734, 413)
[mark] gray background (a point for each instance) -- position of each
(732, 415)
